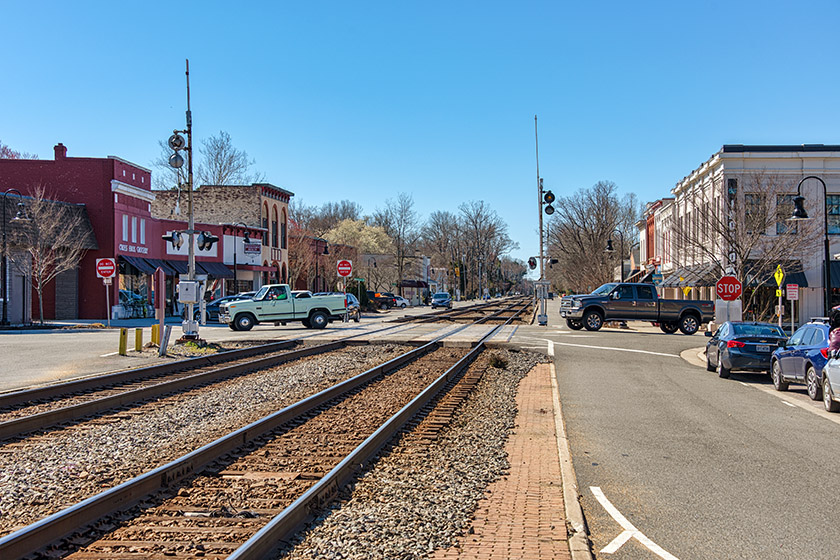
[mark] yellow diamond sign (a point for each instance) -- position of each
(779, 275)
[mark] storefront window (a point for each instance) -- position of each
(833, 202)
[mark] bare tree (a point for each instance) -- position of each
(400, 222)
(217, 162)
(440, 240)
(579, 230)
(331, 214)
(300, 245)
(757, 233)
(484, 238)
(8, 153)
(51, 242)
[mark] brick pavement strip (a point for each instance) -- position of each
(523, 515)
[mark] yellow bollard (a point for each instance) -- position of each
(123, 341)
(156, 334)
(138, 340)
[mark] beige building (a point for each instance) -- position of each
(683, 232)
(255, 219)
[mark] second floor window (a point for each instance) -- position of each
(755, 213)
(833, 202)
(125, 227)
(784, 210)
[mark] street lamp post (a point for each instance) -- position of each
(610, 250)
(20, 215)
(799, 213)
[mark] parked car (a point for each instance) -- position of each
(212, 307)
(401, 302)
(634, 302)
(381, 300)
(742, 345)
(354, 308)
(831, 382)
(442, 299)
(801, 359)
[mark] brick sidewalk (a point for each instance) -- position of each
(523, 516)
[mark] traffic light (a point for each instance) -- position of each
(206, 241)
(175, 238)
(549, 197)
(532, 263)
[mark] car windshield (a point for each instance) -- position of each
(746, 329)
(261, 293)
(440, 296)
(605, 289)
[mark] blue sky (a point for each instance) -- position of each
(362, 100)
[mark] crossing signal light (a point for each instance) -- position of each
(206, 241)
(532, 263)
(175, 238)
(549, 197)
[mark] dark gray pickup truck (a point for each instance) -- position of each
(634, 302)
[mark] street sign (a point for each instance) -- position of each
(778, 292)
(359, 279)
(779, 275)
(106, 268)
(728, 288)
(345, 268)
(793, 292)
(657, 278)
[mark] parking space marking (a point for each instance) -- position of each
(629, 532)
(789, 404)
(618, 349)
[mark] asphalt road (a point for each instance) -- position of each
(703, 467)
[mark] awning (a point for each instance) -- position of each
(139, 263)
(697, 276)
(215, 269)
(155, 263)
(413, 284)
(180, 267)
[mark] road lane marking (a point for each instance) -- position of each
(629, 532)
(111, 354)
(789, 404)
(551, 348)
(618, 349)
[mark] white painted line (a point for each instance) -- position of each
(789, 404)
(111, 354)
(617, 349)
(551, 348)
(744, 384)
(629, 532)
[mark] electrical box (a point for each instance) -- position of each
(188, 292)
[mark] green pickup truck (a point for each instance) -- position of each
(274, 303)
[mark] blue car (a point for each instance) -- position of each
(802, 359)
(742, 345)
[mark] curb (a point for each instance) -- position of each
(575, 522)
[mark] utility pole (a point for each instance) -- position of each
(540, 286)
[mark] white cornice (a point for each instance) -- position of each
(130, 190)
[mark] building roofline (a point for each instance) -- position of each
(741, 148)
(125, 161)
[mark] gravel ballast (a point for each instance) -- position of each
(44, 474)
(420, 496)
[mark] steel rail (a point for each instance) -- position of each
(436, 316)
(36, 536)
(46, 419)
(284, 525)
(128, 376)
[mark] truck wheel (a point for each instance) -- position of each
(574, 324)
(689, 324)
(668, 327)
(244, 322)
(318, 320)
(593, 321)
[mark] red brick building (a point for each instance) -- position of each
(117, 195)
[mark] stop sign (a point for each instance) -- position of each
(345, 268)
(728, 288)
(106, 268)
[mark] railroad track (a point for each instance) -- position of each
(469, 314)
(40, 408)
(261, 462)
